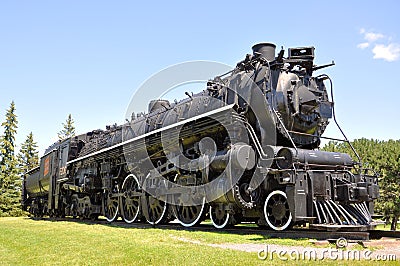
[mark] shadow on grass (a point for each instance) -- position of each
(254, 233)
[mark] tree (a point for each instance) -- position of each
(10, 129)
(10, 185)
(68, 129)
(389, 202)
(384, 158)
(1, 159)
(28, 155)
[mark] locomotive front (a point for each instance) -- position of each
(304, 184)
(299, 99)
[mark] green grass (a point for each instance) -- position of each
(386, 227)
(27, 242)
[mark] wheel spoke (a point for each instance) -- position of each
(219, 216)
(130, 203)
(111, 208)
(156, 209)
(276, 211)
(189, 215)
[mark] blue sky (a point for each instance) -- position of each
(88, 57)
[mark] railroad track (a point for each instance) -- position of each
(242, 229)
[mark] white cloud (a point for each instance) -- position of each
(363, 45)
(389, 52)
(372, 36)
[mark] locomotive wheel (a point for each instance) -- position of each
(130, 202)
(219, 216)
(111, 205)
(276, 211)
(189, 215)
(156, 210)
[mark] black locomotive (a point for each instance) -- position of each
(243, 150)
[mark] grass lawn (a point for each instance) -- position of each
(386, 227)
(28, 242)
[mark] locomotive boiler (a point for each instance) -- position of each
(245, 149)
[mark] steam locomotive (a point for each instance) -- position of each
(245, 149)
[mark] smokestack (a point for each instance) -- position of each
(266, 50)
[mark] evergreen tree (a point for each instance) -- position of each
(68, 129)
(1, 159)
(1, 177)
(7, 144)
(10, 189)
(10, 195)
(28, 155)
